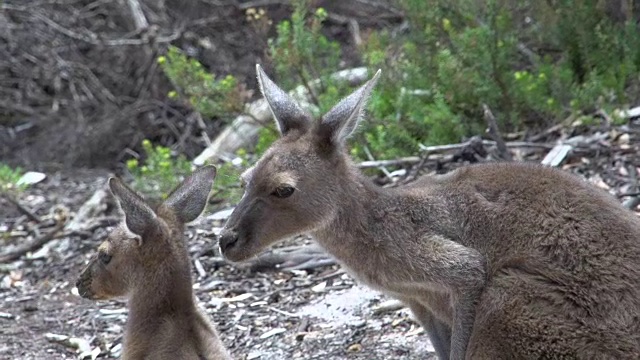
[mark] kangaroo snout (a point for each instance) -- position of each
(228, 239)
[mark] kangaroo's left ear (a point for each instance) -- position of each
(138, 215)
(286, 111)
(189, 199)
(340, 122)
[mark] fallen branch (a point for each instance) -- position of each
(33, 246)
(138, 15)
(444, 148)
(388, 306)
(634, 200)
(93, 207)
(382, 163)
(305, 257)
(21, 208)
(494, 133)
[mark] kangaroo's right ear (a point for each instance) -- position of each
(189, 199)
(286, 111)
(138, 215)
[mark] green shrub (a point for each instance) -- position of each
(210, 97)
(532, 64)
(300, 53)
(227, 185)
(160, 171)
(9, 179)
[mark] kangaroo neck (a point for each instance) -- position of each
(163, 298)
(358, 200)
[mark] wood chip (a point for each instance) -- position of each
(556, 155)
(272, 332)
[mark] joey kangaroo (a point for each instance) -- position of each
(497, 261)
(146, 260)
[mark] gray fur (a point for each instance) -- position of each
(497, 261)
(190, 198)
(343, 118)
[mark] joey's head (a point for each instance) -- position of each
(147, 241)
(296, 187)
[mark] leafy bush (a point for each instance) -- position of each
(533, 64)
(227, 184)
(9, 179)
(210, 97)
(159, 173)
(300, 53)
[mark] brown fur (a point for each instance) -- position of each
(497, 261)
(149, 264)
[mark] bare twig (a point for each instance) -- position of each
(255, 4)
(512, 144)
(21, 208)
(381, 167)
(444, 148)
(634, 200)
(138, 15)
(388, 306)
(393, 162)
(494, 132)
(94, 39)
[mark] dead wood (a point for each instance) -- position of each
(305, 257)
(30, 214)
(494, 133)
(96, 205)
(34, 245)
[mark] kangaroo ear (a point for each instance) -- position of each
(286, 111)
(138, 215)
(189, 199)
(340, 122)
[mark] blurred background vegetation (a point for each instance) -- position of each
(533, 63)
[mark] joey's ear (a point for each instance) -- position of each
(189, 199)
(286, 111)
(340, 122)
(138, 215)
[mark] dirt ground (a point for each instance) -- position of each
(297, 314)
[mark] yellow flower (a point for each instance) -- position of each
(446, 24)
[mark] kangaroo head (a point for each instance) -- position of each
(296, 186)
(148, 241)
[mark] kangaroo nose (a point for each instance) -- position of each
(228, 239)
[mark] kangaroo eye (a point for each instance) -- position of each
(104, 258)
(283, 192)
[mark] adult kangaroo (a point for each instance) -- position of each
(497, 261)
